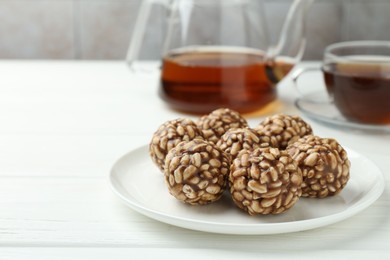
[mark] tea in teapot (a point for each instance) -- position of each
(204, 79)
(217, 53)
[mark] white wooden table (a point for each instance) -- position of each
(64, 124)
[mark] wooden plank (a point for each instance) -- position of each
(83, 212)
(90, 98)
(64, 155)
(183, 253)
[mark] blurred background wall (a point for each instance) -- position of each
(101, 29)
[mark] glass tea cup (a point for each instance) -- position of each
(217, 53)
(357, 80)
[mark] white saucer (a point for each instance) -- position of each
(139, 183)
(316, 106)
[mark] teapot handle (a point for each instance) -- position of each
(139, 28)
(136, 40)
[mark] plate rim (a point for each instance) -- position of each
(250, 229)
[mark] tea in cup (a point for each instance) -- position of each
(357, 79)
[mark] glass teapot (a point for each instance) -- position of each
(217, 53)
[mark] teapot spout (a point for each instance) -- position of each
(292, 39)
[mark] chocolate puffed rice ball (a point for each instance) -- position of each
(283, 129)
(265, 181)
(169, 135)
(196, 172)
(235, 140)
(215, 124)
(324, 164)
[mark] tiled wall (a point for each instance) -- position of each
(101, 29)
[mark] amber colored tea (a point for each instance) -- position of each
(361, 91)
(200, 81)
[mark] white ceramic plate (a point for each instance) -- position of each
(139, 183)
(316, 106)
